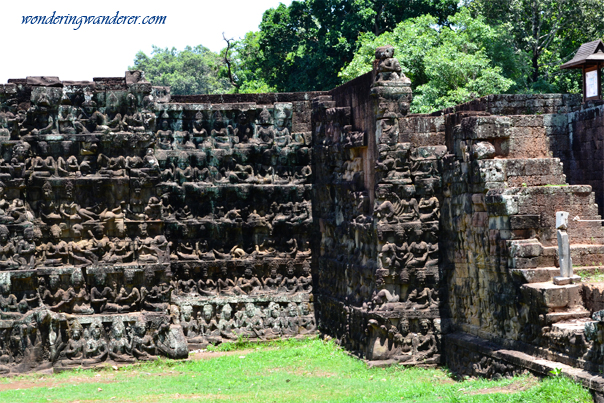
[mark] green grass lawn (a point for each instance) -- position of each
(287, 371)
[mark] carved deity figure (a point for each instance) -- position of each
(96, 346)
(226, 324)
(273, 282)
(206, 286)
(207, 323)
(191, 326)
(76, 345)
(221, 134)
(388, 67)
(383, 298)
(226, 284)
(245, 129)
(282, 136)
(143, 346)
(266, 131)
(249, 283)
(421, 297)
(7, 249)
(8, 301)
(289, 284)
(120, 350)
(81, 298)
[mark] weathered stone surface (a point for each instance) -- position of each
(157, 226)
(148, 224)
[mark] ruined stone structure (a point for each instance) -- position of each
(134, 224)
(438, 236)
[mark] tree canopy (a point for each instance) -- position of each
(447, 65)
(190, 71)
(303, 46)
(452, 51)
(548, 33)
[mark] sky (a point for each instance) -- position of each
(107, 50)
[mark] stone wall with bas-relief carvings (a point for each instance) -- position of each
(133, 227)
(376, 204)
(134, 224)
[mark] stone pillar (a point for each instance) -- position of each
(392, 95)
(566, 262)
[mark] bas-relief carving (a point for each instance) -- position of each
(379, 279)
(115, 210)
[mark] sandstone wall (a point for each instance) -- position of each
(134, 223)
(134, 226)
(376, 205)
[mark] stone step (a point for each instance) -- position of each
(539, 361)
(587, 255)
(548, 298)
(528, 172)
(532, 210)
(587, 273)
(572, 319)
(537, 275)
(531, 254)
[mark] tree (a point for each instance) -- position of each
(548, 32)
(447, 65)
(190, 71)
(246, 73)
(302, 46)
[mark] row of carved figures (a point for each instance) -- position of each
(28, 252)
(199, 170)
(78, 300)
(67, 119)
(138, 208)
(251, 321)
(128, 298)
(248, 284)
(87, 344)
(420, 344)
(426, 210)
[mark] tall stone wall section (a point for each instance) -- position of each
(133, 226)
(377, 206)
(584, 155)
(458, 244)
(503, 186)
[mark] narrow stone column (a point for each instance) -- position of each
(566, 262)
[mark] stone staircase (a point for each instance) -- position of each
(524, 188)
(516, 189)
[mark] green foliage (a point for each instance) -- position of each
(489, 46)
(283, 371)
(190, 71)
(556, 372)
(245, 57)
(548, 33)
(302, 47)
(447, 65)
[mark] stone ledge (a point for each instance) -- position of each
(538, 366)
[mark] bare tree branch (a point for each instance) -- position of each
(228, 62)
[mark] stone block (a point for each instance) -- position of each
(526, 221)
(552, 296)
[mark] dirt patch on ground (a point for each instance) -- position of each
(208, 355)
(517, 386)
(106, 376)
(54, 383)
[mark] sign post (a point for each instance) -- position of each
(589, 58)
